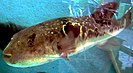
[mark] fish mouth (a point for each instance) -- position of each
(7, 55)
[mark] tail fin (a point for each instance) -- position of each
(126, 19)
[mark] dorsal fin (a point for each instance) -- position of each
(105, 11)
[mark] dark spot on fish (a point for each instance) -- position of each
(62, 32)
(90, 33)
(96, 32)
(104, 22)
(59, 49)
(111, 30)
(74, 29)
(51, 40)
(102, 25)
(109, 22)
(122, 26)
(115, 28)
(31, 39)
(83, 30)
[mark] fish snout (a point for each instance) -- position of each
(7, 54)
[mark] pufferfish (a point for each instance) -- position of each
(62, 37)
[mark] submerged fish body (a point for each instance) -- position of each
(59, 37)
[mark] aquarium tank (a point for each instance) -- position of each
(115, 56)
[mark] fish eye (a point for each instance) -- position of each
(31, 39)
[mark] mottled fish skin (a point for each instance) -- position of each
(57, 36)
(105, 12)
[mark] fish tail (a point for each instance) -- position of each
(126, 19)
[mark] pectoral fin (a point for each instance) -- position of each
(64, 55)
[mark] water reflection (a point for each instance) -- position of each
(126, 49)
(127, 61)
